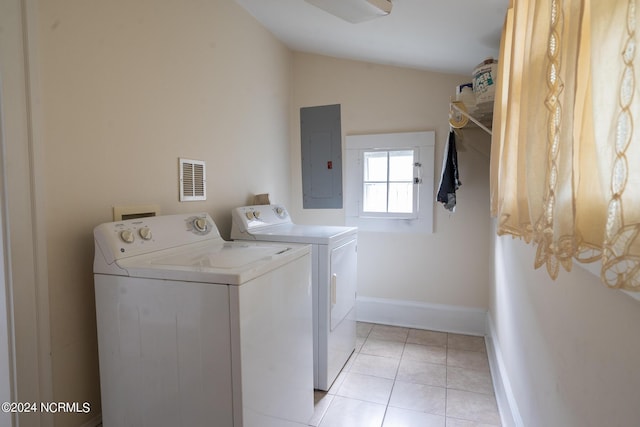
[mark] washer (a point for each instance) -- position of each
(334, 277)
(195, 331)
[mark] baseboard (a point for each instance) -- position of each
(508, 407)
(435, 317)
(93, 422)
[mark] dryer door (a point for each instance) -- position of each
(343, 280)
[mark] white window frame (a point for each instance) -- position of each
(415, 173)
(423, 144)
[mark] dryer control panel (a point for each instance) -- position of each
(251, 217)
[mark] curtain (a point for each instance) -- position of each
(565, 159)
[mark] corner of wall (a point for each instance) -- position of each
(435, 317)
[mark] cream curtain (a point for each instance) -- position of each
(565, 160)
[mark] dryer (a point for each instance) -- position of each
(334, 278)
(195, 331)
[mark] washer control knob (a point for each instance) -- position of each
(250, 215)
(145, 233)
(256, 214)
(280, 211)
(200, 224)
(127, 236)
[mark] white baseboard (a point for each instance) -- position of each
(435, 317)
(508, 407)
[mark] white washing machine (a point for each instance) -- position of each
(195, 331)
(334, 277)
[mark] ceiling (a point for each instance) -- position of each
(451, 36)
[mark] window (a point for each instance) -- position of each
(387, 187)
(388, 184)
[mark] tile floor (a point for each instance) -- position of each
(402, 377)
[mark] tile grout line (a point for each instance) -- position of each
(446, 379)
(395, 379)
(380, 336)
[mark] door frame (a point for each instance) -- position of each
(26, 327)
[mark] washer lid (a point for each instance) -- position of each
(294, 233)
(231, 263)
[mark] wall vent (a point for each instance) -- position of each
(130, 212)
(193, 180)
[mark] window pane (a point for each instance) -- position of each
(375, 166)
(401, 165)
(374, 198)
(401, 197)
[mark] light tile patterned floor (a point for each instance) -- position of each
(401, 377)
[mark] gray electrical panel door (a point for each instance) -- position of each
(321, 136)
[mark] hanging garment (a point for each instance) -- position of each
(450, 180)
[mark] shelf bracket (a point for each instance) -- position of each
(467, 115)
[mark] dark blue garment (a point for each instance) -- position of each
(450, 180)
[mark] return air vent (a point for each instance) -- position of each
(193, 180)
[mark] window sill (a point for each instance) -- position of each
(389, 225)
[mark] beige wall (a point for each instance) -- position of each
(127, 88)
(570, 347)
(449, 266)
